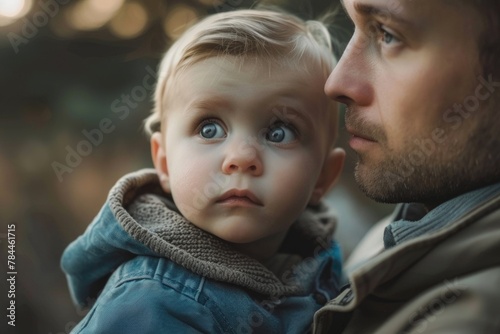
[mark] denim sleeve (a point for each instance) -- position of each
(147, 306)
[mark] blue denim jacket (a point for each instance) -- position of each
(141, 279)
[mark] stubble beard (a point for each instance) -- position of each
(467, 160)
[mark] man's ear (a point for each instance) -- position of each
(332, 168)
(159, 156)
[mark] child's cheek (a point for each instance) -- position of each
(292, 184)
(191, 184)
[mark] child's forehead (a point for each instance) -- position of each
(263, 68)
(235, 75)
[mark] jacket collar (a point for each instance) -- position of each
(450, 252)
(415, 221)
(149, 215)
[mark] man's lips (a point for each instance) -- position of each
(359, 135)
(237, 195)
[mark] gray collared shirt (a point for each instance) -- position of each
(413, 220)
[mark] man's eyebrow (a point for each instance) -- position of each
(381, 11)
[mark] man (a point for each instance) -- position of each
(421, 85)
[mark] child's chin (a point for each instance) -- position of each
(237, 238)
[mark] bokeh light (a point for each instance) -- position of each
(92, 14)
(12, 10)
(130, 21)
(178, 20)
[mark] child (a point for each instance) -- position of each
(228, 233)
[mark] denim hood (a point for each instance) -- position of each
(140, 219)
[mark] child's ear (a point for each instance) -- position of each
(159, 156)
(330, 173)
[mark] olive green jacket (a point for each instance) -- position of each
(446, 282)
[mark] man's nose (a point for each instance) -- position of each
(350, 80)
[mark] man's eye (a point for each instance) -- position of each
(387, 37)
(281, 133)
(212, 130)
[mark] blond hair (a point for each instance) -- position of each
(275, 36)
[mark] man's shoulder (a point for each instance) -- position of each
(466, 304)
(444, 274)
(479, 220)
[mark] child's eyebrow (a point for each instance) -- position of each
(287, 113)
(210, 103)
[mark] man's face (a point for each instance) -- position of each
(418, 106)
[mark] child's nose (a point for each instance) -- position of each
(243, 158)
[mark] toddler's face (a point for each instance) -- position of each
(245, 144)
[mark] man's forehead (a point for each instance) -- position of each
(387, 4)
(397, 6)
(412, 13)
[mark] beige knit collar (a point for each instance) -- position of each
(149, 215)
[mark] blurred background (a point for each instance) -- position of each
(69, 70)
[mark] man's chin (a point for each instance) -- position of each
(380, 184)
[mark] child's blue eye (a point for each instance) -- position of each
(281, 133)
(212, 130)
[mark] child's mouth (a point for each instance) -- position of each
(239, 197)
